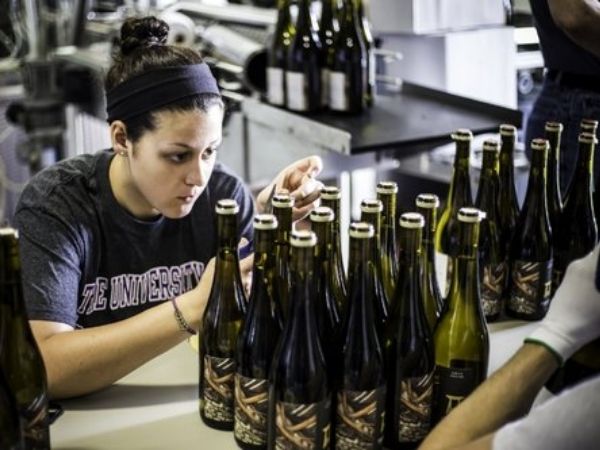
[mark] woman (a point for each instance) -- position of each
(107, 239)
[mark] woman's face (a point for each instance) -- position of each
(171, 165)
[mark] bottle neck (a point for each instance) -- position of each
(284, 219)
(388, 218)
(361, 283)
(324, 232)
(264, 264)
(430, 216)
(460, 185)
(554, 138)
(536, 202)
(465, 275)
(488, 187)
(10, 276)
(410, 245)
(585, 167)
(303, 289)
(507, 150)
(305, 18)
(375, 220)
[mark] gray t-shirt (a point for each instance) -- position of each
(568, 421)
(88, 262)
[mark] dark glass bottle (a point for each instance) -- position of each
(21, 359)
(360, 378)
(409, 346)
(531, 255)
(256, 342)
(367, 35)
(225, 310)
(327, 311)
(459, 195)
(370, 212)
(299, 389)
(11, 435)
(578, 228)
(386, 193)
(507, 198)
(349, 70)
(304, 63)
(427, 205)
(492, 250)
(329, 28)
(282, 209)
(331, 197)
(277, 54)
(461, 338)
(553, 131)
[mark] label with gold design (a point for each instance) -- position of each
(416, 395)
(531, 287)
(302, 426)
(251, 406)
(494, 282)
(217, 388)
(360, 419)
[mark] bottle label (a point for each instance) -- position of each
(494, 282)
(251, 405)
(360, 419)
(36, 423)
(275, 90)
(302, 425)
(531, 287)
(451, 386)
(338, 100)
(325, 86)
(416, 395)
(217, 388)
(296, 91)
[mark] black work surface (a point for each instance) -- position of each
(417, 116)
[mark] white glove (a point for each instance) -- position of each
(573, 319)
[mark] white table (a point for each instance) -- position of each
(156, 406)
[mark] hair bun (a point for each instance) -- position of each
(143, 32)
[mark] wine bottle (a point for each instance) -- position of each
(578, 229)
(256, 342)
(304, 63)
(409, 346)
(21, 359)
(360, 378)
(386, 193)
(299, 389)
(331, 197)
(427, 205)
(282, 204)
(371, 213)
(507, 197)
(531, 255)
(367, 35)
(492, 250)
(329, 28)
(459, 195)
(553, 131)
(349, 71)
(461, 340)
(11, 435)
(277, 54)
(222, 320)
(327, 311)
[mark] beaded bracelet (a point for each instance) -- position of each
(183, 324)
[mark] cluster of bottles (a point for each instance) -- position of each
(326, 64)
(524, 252)
(24, 420)
(315, 359)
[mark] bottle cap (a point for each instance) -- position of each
(361, 230)
(227, 206)
(322, 214)
(470, 215)
(539, 144)
(412, 220)
(371, 206)
(387, 187)
(508, 130)
(588, 138)
(462, 134)
(282, 200)
(331, 193)
(265, 222)
(589, 125)
(428, 201)
(303, 238)
(9, 231)
(553, 126)
(491, 145)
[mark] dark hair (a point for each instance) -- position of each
(143, 47)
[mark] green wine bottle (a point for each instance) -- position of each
(222, 320)
(360, 378)
(299, 389)
(461, 338)
(553, 131)
(20, 359)
(283, 205)
(256, 342)
(329, 28)
(11, 434)
(386, 193)
(331, 197)
(427, 205)
(349, 71)
(492, 250)
(531, 255)
(370, 212)
(367, 35)
(459, 195)
(409, 346)
(277, 54)
(304, 63)
(507, 198)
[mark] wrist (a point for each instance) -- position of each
(189, 308)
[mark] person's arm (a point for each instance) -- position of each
(580, 20)
(505, 396)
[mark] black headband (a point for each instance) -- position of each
(157, 88)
